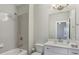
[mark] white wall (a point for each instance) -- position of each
(7, 8)
(21, 9)
(41, 23)
(8, 29)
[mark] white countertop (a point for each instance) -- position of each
(62, 45)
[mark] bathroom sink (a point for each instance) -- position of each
(56, 43)
(61, 43)
(73, 45)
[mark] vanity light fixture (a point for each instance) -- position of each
(59, 6)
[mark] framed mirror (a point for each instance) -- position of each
(62, 25)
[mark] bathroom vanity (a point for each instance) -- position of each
(54, 48)
(62, 31)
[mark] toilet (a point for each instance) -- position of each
(39, 49)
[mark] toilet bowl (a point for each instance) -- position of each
(39, 49)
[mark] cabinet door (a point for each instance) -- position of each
(73, 52)
(77, 32)
(55, 50)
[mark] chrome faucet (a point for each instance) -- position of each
(60, 40)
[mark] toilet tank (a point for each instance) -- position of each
(39, 48)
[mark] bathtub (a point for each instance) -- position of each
(16, 51)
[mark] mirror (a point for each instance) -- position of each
(62, 25)
(62, 30)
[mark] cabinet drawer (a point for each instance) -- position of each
(73, 52)
(54, 49)
(53, 53)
